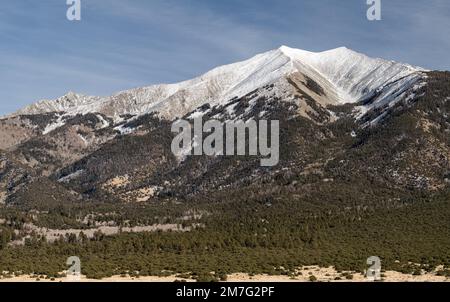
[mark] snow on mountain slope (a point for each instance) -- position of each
(353, 74)
(344, 75)
(173, 100)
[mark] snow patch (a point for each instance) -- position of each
(104, 122)
(71, 176)
(124, 130)
(53, 126)
(83, 139)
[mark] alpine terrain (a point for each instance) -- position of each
(364, 171)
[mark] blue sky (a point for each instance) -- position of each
(120, 44)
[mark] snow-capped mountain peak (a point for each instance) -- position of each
(343, 74)
(353, 74)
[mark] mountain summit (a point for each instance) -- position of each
(339, 76)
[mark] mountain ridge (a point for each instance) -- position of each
(346, 76)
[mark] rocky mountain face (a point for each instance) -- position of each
(348, 123)
(341, 76)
